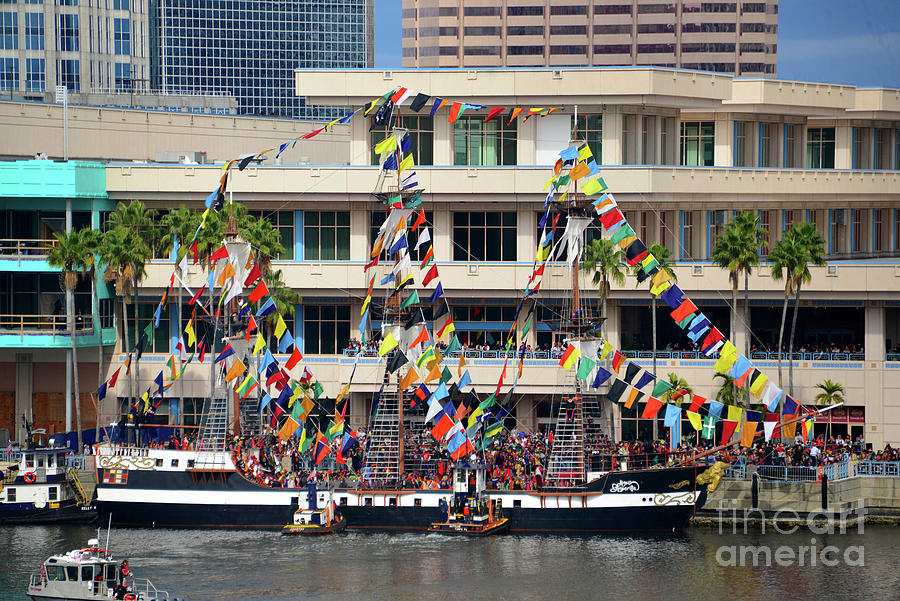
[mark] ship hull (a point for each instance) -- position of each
(641, 501)
(19, 514)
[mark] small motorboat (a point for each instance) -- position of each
(90, 574)
(469, 513)
(319, 517)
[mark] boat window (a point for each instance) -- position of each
(110, 571)
(174, 463)
(40, 461)
(56, 573)
(190, 463)
(417, 502)
(29, 460)
(52, 493)
(517, 502)
(461, 476)
(11, 495)
(368, 501)
(343, 501)
(159, 462)
(51, 461)
(72, 572)
(392, 501)
(87, 572)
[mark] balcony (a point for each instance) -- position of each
(19, 250)
(52, 331)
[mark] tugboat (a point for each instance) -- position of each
(472, 514)
(89, 574)
(36, 487)
(315, 521)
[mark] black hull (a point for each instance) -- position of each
(652, 511)
(67, 514)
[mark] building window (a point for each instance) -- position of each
(421, 137)
(612, 49)
(481, 51)
(326, 235)
(620, 29)
(568, 30)
(34, 31)
(68, 74)
(122, 36)
(481, 30)
(484, 236)
(648, 140)
(697, 143)
(481, 11)
(687, 235)
(9, 37)
(665, 124)
(590, 129)
(67, 32)
(568, 49)
(882, 148)
(857, 230)
(326, 329)
(123, 76)
(743, 145)
(768, 151)
(878, 229)
(478, 143)
(658, 8)
(838, 223)
(144, 311)
(524, 30)
(121, 4)
(525, 11)
(377, 218)
(524, 50)
(790, 145)
(9, 74)
(35, 78)
(820, 148)
(664, 228)
(568, 10)
(283, 222)
(765, 222)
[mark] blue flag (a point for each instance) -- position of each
(174, 254)
(101, 392)
(158, 380)
(440, 393)
(715, 409)
(285, 343)
(438, 293)
(673, 415)
(268, 307)
(265, 401)
(465, 380)
(156, 315)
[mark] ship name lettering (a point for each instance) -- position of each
(625, 486)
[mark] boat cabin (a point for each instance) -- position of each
(88, 573)
(36, 477)
(319, 508)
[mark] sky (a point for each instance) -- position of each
(852, 42)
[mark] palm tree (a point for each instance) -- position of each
(603, 260)
(725, 394)
(678, 383)
(139, 223)
(832, 394)
(264, 239)
(813, 245)
(286, 300)
(126, 256)
(68, 255)
(737, 250)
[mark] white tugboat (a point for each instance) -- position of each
(88, 574)
(36, 487)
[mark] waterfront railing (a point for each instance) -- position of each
(670, 355)
(803, 473)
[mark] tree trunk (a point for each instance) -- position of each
(99, 331)
(76, 391)
(747, 328)
(781, 335)
(791, 343)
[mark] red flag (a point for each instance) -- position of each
(495, 110)
(254, 275)
(372, 263)
(728, 427)
(196, 297)
(307, 375)
(652, 408)
(278, 376)
(312, 133)
(502, 376)
(537, 272)
(422, 337)
(195, 250)
(455, 108)
(432, 274)
(420, 219)
(171, 283)
(618, 359)
(222, 253)
(322, 448)
(295, 358)
(115, 376)
(202, 348)
(697, 403)
(398, 95)
(260, 291)
(251, 326)
(463, 450)
(442, 426)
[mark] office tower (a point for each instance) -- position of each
(730, 37)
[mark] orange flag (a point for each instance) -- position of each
(237, 369)
(411, 376)
(748, 432)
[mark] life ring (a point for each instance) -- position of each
(29, 477)
(129, 597)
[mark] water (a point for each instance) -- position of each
(227, 565)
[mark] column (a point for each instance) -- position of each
(724, 141)
(873, 391)
(843, 147)
(612, 136)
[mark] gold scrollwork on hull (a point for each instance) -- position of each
(663, 499)
(126, 463)
(711, 476)
(678, 485)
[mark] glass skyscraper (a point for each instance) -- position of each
(250, 48)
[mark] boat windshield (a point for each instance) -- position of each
(91, 572)
(56, 573)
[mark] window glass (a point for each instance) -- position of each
(421, 137)
(697, 143)
(478, 143)
(484, 236)
(326, 235)
(820, 148)
(326, 328)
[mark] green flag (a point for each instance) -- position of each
(412, 299)
(446, 376)
(660, 388)
(305, 441)
(493, 430)
(623, 232)
(317, 390)
(491, 400)
(585, 367)
(414, 200)
(709, 427)
(453, 346)
(527, 327)
(148, 332)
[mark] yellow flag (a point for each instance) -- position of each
(189, 329)
(288, 429)
(624, 242)
(462, 364)
(387, 345)
(260, 344)
(593, 186)
(724, 363)
(757, 386)
(407, 163)
(341, 394)
(734, 413)
(584, 152)
(607, 349)
(280, 328)
(659, 282)
(728, 349)
(695, 420)
(386, 145)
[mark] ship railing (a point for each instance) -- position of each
(145, 587)
(77, 462)
(600, 462)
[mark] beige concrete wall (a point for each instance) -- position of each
(124, 135)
